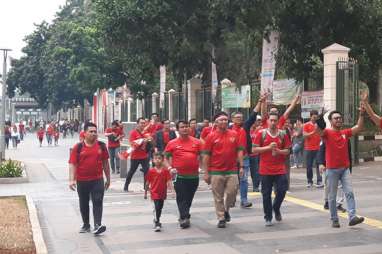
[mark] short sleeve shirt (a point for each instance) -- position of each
(222, 148)
(157, 181)
(337, 153)
(272, 164)
(311, 143)
(89, 166)
(116, 132)
(184, 153)
(139, 148)
(280, 125)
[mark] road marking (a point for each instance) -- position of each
(368, 221)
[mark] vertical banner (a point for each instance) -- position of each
(268, 64)
(95, 108)
(214, 82)
(162, 88)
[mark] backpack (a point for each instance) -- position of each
(81, 144)
(281, 134)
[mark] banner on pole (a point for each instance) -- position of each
(311, 100)
(284, 90)
(233, 97)
(214, 82)
(162, 88)
(268, 63)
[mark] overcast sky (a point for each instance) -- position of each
(17, 18)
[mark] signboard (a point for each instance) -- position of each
(232, 97)
(268, 63)
(311, 100)
(284, 90)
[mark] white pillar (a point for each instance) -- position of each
(139, 108)
(129, 101)
(332, 54)
(171, 104)
(154, 98)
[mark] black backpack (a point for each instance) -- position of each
(81, 144)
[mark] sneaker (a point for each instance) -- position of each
(309, 185)
(99, 229)
(85, 228)
(326, 205)
(319, 185)
(341, 208)
(268, 223)
(118, 171)
(278, 216)
(246, 205)
(185, 223)
(256, 190)
(356, 220)
(221, 224)
(335, 224)
(227, 216)
(157, 227)
(293, 167)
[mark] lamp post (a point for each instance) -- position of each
(3, 98)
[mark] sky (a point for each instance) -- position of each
(17, 18)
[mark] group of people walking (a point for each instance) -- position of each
(226, 154)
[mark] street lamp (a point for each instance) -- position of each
(2, 112)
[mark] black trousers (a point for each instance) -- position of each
(185, 190)
(158, 206)
(94, 189)
(133, 168)
(281, 185)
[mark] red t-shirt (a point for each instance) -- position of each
(254, 133)
(192, 132)
(89, 166)
(269, 164)
(184, 153)
(205, 132)
(21, 127)
(153, 128)
(222, 148)
(139, 152)
(50, 130)
(312, 142)
(40, 133)
(280, 125)
(56, 134)
(157, 180)
(242, 136)
(337, 153)
(166, 137)
(116, 132)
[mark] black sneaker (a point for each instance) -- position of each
(356, 220)
(335, 224)
(326, 205)
(221, 224)
(341, 209)
(256, 190)
(99, 229)
(184, 223)
(246, 205)
(85, 228)
(278, 216)
(227, 216)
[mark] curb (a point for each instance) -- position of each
(38, 238)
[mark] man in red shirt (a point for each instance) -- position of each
(312, 147)
(49, 133)
(194, 132)
(21, 130)
(337, 163)
(88, 161)
(154, 124)
(114, 136)
(182, 154)
(273, 146)
(222, 152)
(139, 156)
(163, 136)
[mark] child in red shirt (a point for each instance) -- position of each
(158, 179)
(56, 135)
(40, 135)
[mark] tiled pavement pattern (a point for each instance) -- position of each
(305, 227)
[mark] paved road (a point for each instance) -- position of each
(305, 228)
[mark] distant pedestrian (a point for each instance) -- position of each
(56, 135)
(163, 136)
(114, 136)
(158, 180)
(222, 153)
(182, 154)
(15, 136)
(40, 135)
(273, 146)
(21, 130)
(87, 164)
(7, 134)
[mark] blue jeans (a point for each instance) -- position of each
(281, 185)
(254, 163)
(114, 159)
(311, 156)
(244, 182)
(343, 175)
(298, 152)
